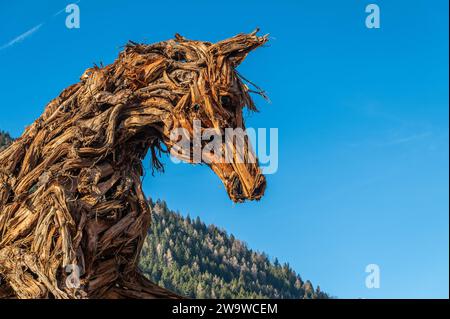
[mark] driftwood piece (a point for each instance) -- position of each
(71, 193)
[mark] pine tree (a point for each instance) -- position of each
(5, 140)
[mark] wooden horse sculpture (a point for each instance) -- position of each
(71, 199)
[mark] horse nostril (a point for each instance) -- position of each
(236, 185)
(235, 189)
(237, 193)
(260, 187)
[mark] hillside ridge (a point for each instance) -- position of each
(200, 261)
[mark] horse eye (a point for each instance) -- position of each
(180, 57)
(225, 100)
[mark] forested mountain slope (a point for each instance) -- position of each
(201, 261)
(5, 139)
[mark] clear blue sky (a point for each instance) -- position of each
(362, 117)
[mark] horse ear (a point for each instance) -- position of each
(179, 38)
(237, 47)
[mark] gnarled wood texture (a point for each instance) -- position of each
(71, 193)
